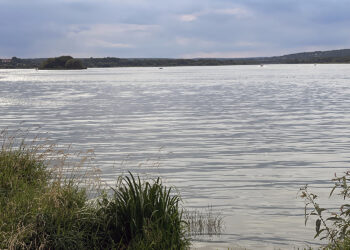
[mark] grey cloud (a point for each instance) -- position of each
(175, 28)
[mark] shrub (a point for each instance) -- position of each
(334, 226)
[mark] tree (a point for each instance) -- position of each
(62, 62)
(74, 64)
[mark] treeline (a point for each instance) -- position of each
(18, 63)
(153, 62)
(334, 56)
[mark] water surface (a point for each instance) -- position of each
(243, 139)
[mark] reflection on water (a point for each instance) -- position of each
(240, 138)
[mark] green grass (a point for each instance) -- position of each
(146, 215)
(43, 208)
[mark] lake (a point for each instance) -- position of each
(242, 139)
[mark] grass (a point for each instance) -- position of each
(46, 207)
(204, 222)
(146, 210)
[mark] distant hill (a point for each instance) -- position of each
(332, 56)
(319, 54)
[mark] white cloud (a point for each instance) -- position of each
(106, 44)
(237, 12)
(188, 18)
(110, 36)
(106, 30)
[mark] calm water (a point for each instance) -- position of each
(243, 139)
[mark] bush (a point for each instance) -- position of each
(334, 226)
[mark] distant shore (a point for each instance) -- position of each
(316, 57)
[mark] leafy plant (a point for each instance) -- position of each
(330, 225)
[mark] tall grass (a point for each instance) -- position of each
(45, 207)
(144, 215)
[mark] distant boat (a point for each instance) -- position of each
(160, 68)
(261, 65)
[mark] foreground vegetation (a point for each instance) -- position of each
(48, 208)
(332, 225)
(47, 204)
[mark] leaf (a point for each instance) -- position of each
(306, 218)
(332, 191)
(334, 218)
(320, 210)
(318, 225)
(318, 233)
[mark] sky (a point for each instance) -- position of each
(171, 28)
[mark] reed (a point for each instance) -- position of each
(204, 222)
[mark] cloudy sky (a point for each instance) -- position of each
(171, 28)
